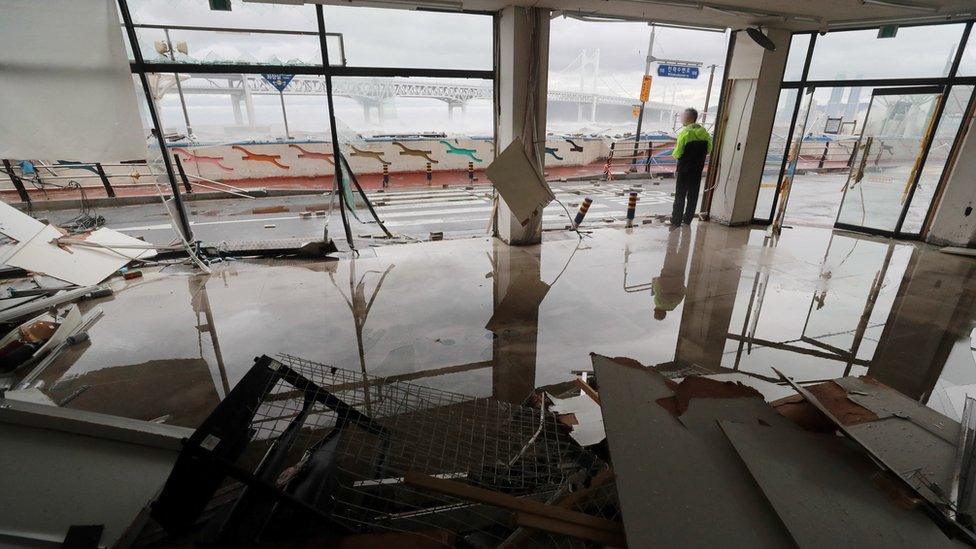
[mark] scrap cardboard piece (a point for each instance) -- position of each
(821, 487)
(519, 182)
(82, 265)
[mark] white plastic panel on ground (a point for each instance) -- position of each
(81, 265)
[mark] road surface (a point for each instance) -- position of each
(410, 213)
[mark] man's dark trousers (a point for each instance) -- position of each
(688, 181)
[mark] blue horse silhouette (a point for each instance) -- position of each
(451, 149)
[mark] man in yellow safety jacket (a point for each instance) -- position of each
(692, 148)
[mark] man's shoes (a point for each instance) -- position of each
(687, 220)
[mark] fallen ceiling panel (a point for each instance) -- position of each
(519, 182)
(907, 479)
(821, 487)
(917, 441)
(106, 251)
(677, 487)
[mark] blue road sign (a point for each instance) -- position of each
(279, 81)
(677, 71)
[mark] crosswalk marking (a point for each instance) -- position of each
(460, 209)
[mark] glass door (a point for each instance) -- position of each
(888, 157)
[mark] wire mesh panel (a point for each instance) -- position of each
(395, 427)
(316, 452)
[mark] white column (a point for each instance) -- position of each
(523, 67)
(954, 223)
(748, 113)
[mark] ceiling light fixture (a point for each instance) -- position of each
(730, 10)
(902, 5)
(917, 20)
(738, 12)
(594, 17)
(419, 5)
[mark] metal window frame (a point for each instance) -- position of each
(310, 70)
(141, 68)
(946, 83)
(789, 133)
(245, 30)
(939, 93)
(138, 64)
(186, 231)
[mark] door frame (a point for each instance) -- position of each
(926, 145)
(951, 79)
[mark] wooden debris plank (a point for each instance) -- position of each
(547, 524)
(481, 495)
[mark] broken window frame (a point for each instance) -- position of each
(947, 82)
(140, 67)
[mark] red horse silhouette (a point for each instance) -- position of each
(190, 156)
(271, 158)
(311, 154)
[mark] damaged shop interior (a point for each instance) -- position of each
(482, 273)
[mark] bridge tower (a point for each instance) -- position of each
(384, 108)
(452, 105)
(589, 68)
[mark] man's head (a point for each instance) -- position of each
(660, 314)
(689, 116)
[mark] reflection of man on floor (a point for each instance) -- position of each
(692, 147)
(669, 287)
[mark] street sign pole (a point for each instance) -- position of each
(179, 87)
(647, 74)
(280, 82)
(284, 113)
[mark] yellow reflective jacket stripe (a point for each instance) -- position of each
(691, 132)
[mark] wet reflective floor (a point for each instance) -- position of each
(480, 318)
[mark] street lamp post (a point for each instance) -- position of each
(647, 72)
(708, 92)
(179, 87)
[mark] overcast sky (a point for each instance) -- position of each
(623, 49)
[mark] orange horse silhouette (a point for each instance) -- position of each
(270, 158)
(368, 154)
(215, 160)
(312, 154)
(407, 151)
